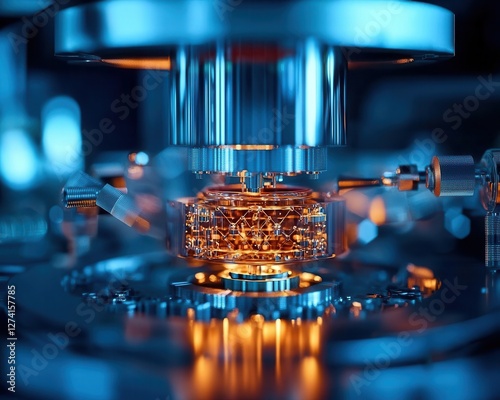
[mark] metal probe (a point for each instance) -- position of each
(452, 176)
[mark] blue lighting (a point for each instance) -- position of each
(367, 231)
(61, 137)
(313, 91)
(18, 159)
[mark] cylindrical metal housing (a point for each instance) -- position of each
(242, 105)
(453, 176)
(249, 96)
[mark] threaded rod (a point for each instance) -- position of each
(492, 246)
(80, 196)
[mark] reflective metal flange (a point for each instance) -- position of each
(309, 300)
(104, 28)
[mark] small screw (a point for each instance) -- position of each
(80, 196)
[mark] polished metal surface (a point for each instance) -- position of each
(408, 29)
(277, 123)
(212, 295)
(266, 284)
(254, 97)
(245, 93)
(285, 160)
(453, 175)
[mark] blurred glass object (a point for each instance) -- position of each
(457, 223)
(18, 159)
(13, 72)
(22, 227)
(18, 154)
(61, 137)
(367, 231)
(378, 212)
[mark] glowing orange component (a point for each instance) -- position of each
(276, 225)
(140, 63)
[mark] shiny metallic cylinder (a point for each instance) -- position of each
(289, 282)
(452, 176)
(246, 97)
(492, 245)
(254, 95)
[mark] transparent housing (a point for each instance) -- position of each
(277, 225)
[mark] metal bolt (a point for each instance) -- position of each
(80, 196)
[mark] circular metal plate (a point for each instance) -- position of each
(419, 30)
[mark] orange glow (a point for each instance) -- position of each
(405, 61)
(232, 358)
(227, 225)
(200, 277)
(356, 309)
(310, 374)
(257, 318)
(140, 63)
(421, 272)
(315, 339)
(377, 211)
(371, 64)
(197, 339)
(205, 375)
(135, 172)
(357, 203)
(278, 348)
(422, 277)
(140, 224)
(351, 232)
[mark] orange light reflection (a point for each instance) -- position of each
(377, 213)
(140, 63)
(234, 358)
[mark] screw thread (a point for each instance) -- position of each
(80, 196)
(492, 246)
